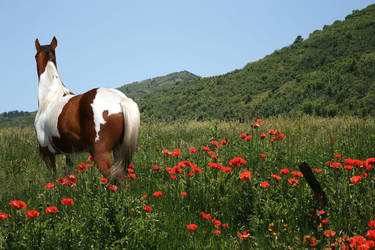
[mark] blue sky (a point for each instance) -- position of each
(111, 43)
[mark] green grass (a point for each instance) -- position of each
(278, 216)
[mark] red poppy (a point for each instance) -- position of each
(264, 184)
(348, 167)
(275, 176)
(90, 158)
(336, 164)
(192, 227)
(173, 177)
(370, 234)
(205, 148)
(371, 224)
(3, 216)
(271, 132)
(17, 204)
(113, 187)
(262, 156)
(130, 170)
(67, 201)
(49, 185)
(32, 213)
(216, 223)
(147, 209)
(82, 167)
(317, 170)
(217, 232)
(224, 225)
(245, 175)
(297, 174)
(214, 157)
(293, 182)
(72, 178)
(256, 125)
(244, 235)
(193, 150)
(263, 135)
(158, 193)
(284, 171)
(132, 176)
(248, 138)
(337, 155)
(329, 233)
(243, 135)
(206, 216)
(238, 162)
(156, 167)
(216, 143)
(356, 179)
(51, 210)
(325, 222)
(176, 152)
(223, 142)
(144, 197)
(104, 180)
(183, 194)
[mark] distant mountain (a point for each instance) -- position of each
(330, 73)
(139, 89)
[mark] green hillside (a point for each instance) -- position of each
(140, 89)
(330, 73)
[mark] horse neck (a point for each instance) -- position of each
(50, 88)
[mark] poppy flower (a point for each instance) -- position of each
(32, 213)
(317, 170)
(224, 225)
(337, 155)
(147, 209)
(176, 152)
(284, 171)
(193, 150)
(264, 184)
(51, 210)
(325, 222)
(238, 162)
(206, 216)
(144, 197)
(154, 168)
(329, 233)
(263, 135)
(192, 227)
(90, 158)
(183, 194)
(205, 148)
(3, 216)
(293, 182)
(216, 143)
(113, 187)
(104, 180)
(262, 156)
(271, 132)
(297, 174)
(173, 177)
(370, 234)
(248, 138)
(49, 185)
(132, 176)
(67, 201)
(245, 175)
(256, 125)
(275, 176)
(371, 224)
(348, 167)
(356, 179)
(17, 204)
(223, 142)
(217, 232)
(216, 223)
(336, 164)
(244, 235)
(130, 170)
(158, 193)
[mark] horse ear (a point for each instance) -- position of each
(37, 45)
(54, 43)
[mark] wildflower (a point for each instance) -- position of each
(51, 210)
(256, 125)
(130, 170)
(183, 194)
(17, 204)
(329, 233)
(336, 164)
(192, 227)
(320, 213)
(371, 224)
(49, 185)
(217, 232)
(3, 216)
(348, 167)
(32, 213)
(284, 171)
(264, 184)
(173, 177)
(297, 174)
(244, 235)
(325, 222)
(176, 152)
(293, 182)
(67, 201)
(263, 135)
(206, 216)
(245, 175)
(113, 187)
(275, 176)
(144, 197)
(214, 157)
(215, 143)
(317, 170)
(262, 156)
(356, 179)
(271, 132)
(243, 135)
(147, 209)
(224, 225)
(154, 168)
(223, 142)
(90, 158)
(216, 223)
(193, 150)
(370, 234)
(205, 148)
(158, 193)
(238, 162)
(248, 138)
(104, 180)
(132, 176)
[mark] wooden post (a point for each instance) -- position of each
(312, 181)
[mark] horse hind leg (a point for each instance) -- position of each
(119, 164)
(48, 158)
(103, 161)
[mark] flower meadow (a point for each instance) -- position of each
(199, 185)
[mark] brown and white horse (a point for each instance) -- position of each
(99, 121)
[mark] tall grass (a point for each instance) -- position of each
(277, 216)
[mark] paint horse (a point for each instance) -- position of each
(99, 121)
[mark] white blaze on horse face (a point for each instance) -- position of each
(51, 103)
(105, 100)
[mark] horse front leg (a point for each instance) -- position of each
(48, 158)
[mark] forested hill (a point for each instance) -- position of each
(330, 73)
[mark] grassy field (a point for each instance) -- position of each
(177, 198)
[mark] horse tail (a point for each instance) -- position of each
(124, 152)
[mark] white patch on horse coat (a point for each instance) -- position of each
(105, 100)
(51, 100)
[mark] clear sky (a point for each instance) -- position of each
(111, 43)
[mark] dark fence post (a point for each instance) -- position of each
(312, 181)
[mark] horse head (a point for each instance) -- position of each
(44, 54)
